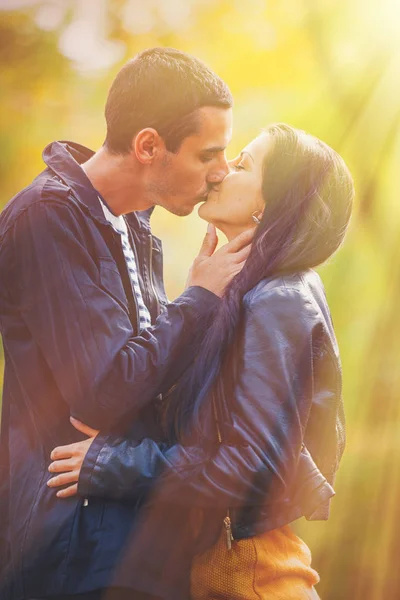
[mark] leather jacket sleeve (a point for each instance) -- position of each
(103, 370)
(268, 411)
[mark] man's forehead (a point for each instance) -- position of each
(215, 128)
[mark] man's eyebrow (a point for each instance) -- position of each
(248, 154)
(213, 150)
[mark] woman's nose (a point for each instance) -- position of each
(232, 163)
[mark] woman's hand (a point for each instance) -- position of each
(68, 460)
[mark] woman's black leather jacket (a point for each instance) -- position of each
(281, 422)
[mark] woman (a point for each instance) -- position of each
(255, 426)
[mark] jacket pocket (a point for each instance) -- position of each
(111, 281)
(311, 489)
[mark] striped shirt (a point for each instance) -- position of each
(120, 226)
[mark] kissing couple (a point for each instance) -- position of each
(156, 450)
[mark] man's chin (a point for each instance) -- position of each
(184, 211)
(181, 211)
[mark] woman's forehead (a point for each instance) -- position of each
(258, 147)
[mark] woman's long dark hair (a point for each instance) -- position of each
(308, 194)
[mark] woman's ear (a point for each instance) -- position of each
(257, 216)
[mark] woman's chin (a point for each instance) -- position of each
(204, 212)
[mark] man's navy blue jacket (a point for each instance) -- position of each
(69, 319)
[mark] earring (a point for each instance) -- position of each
(255, 219)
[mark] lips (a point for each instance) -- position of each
(204, 197)
(213, 192)
(201, 198)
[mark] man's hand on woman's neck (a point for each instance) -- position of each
(230, 231)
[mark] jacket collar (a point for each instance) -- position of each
(65, 158)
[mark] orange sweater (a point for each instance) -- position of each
(275, 566)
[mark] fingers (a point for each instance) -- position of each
(68, 460)
(85, 429)
(237, 268)
(63, 479)
(240, 267)
(210, 242)
(76, 449)
(60, 466)
(63, 452)
(243, 239)
(72, 490)
(242, 255)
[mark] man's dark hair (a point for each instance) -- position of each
(161, 88)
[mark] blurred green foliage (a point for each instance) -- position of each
(331, 68)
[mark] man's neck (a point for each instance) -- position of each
(116, 181)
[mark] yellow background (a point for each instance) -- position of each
(331, 67)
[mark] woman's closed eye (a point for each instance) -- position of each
(239, 167)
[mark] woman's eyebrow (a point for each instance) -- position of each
(248, 154)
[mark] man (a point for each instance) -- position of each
(81, 290)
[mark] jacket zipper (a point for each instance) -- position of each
(228, 529)
(133, 295)
(85, 501)
(227, 520)
(151, 276)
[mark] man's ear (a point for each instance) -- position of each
(147, 145)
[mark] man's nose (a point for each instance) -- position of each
(219, 172)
